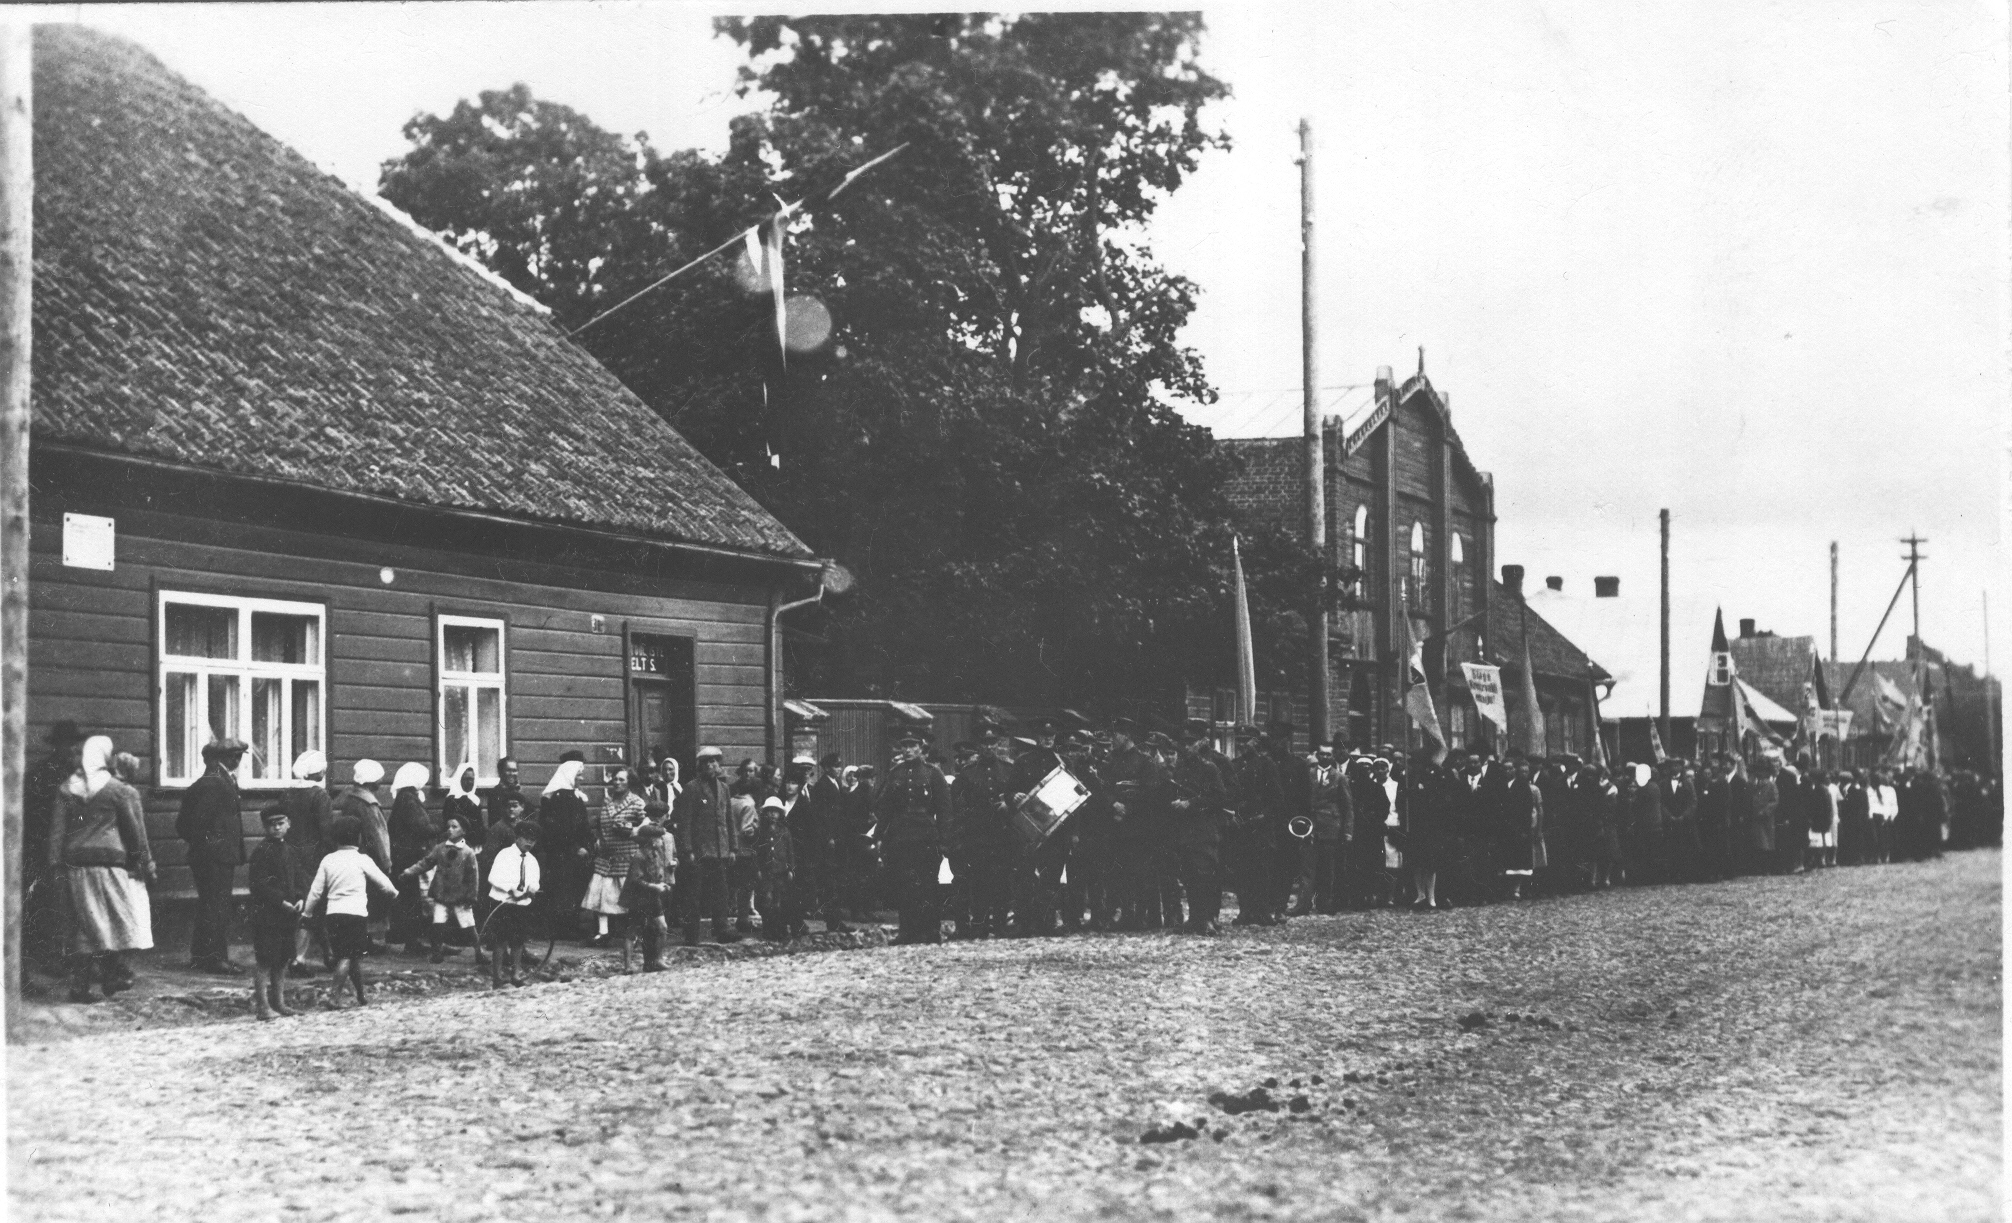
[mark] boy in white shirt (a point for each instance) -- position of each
(341, 888)
(513, 881)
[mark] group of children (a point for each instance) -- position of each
(340, 896)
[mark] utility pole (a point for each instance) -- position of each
(1663, 706)
(1914, 559)
(17, 280)
(1833, 603)
(1990, 695)
(1316, 466)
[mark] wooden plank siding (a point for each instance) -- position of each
(91, 653)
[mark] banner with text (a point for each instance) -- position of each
(1484, 683)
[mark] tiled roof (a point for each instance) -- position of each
(1778, 666)
(1551, 652)
(206, 296)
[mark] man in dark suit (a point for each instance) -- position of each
(213, 826)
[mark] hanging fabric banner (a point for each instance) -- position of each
(1484, 684)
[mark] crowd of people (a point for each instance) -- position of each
(1168, 825)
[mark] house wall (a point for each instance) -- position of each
(92, 650)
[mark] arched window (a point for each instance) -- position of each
(1416, 594)
(1456, 555)
(1358, 547)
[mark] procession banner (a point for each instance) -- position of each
(1484, 684)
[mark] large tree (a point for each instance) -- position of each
(985, 440)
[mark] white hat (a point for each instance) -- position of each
(771, 801)
(366, 772)
(411, 775)
(711, 753)
(310, 763)
(804, 760)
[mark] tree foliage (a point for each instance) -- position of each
(986, 440)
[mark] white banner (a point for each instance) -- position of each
(1484, 683)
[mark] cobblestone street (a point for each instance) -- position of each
(1820, 1047)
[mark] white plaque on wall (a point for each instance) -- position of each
(87, 541)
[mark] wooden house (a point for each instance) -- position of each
(306, 477)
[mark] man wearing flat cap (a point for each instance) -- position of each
(1251, 851)
(707, 837)
(213, 825)
(914, 805)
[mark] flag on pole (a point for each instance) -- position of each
(773, 243)
(1599, 737)
(1417, 696)
(1246, 655)
(1533, 715)
(1724, 703)
(1656, 742)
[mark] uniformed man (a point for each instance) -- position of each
(913, 803)
(1038, 882)
(1137, 785)
(1197, 806)
(979, 843)
(1088, 889)
(1289, 851)
(1252, 850)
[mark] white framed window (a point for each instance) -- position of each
(240, 668)
(473, 696)
(1418, 592)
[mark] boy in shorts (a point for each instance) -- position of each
(342, 888)
(513, 881)
(456, 882)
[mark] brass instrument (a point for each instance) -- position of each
(1300, 826)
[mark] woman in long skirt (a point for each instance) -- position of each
(412, 835)
(98, 850)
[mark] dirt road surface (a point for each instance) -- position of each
(1821, 1047)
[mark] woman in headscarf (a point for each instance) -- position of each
(464, 804)
(564, 846)
(412, 835)
(97, 849)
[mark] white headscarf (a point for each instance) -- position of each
(565, 777)
(467, 770)
(366, 772)
(309, 763)
(411, 774)
(95, 769)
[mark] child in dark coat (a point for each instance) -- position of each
(278, 887)
(456, 882)
(781, 915)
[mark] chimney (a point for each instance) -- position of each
(1554, 583)
(1512, 579)
(1606, 588)
(1383, 378)
(1747, 627)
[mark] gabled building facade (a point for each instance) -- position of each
(1411, 522)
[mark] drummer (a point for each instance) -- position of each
(1038, 881)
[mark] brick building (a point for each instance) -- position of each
(1411, 521)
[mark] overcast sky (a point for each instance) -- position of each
(1744, 260)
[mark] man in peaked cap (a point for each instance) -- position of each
(1197, 808)
(913, 803)
(212, 823)
(1038, 878)
(1250, 849)
(1137, 787)
(980, 843)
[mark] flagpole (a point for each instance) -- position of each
(1318, 677)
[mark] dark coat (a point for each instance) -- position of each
(979, 824)
(1333, 806)
(705, 821)
(914, 804)
(211, 821)
(1432, 809)
(311, 815)
(469, 812)
(412, 829)
(1139, 784)
(278, 878)
(1198, 791)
